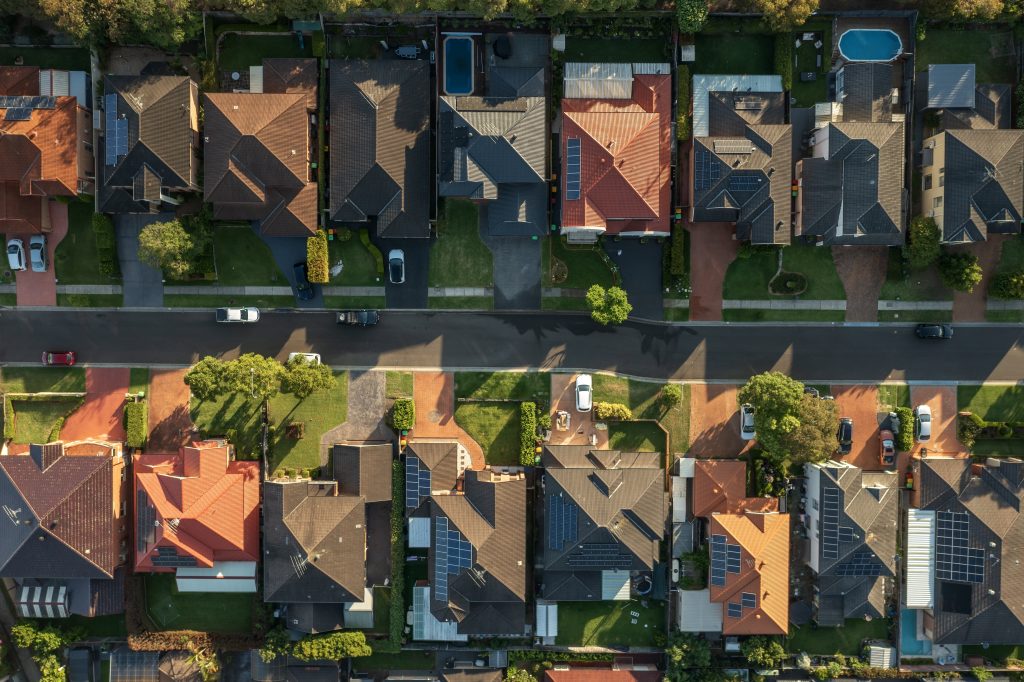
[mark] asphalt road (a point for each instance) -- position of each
(464, 340)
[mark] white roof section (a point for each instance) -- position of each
(615, 585)
(360, 614)
(427, 628)
(686, 466)
(951, 86)
(920, 590)
(687, 53)
(419, 532)
(703, 84)
(678, 499)
(882, 656)
(589, 80)
(223, 576)
(697, 613)
(256, 79)
(547, 619)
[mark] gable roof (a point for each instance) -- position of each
(439, 457)
(720, 487)
(866, 92)
(380, 137)
(991, 108)
(291, 76)
(363, 469)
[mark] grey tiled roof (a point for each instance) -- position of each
(868, 92)
(992, 109)
(364, 470)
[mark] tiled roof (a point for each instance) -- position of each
(720, 487)
(625, 154)
(868, 92)
(441, 458)
(19, 80)
(600, 675)
(291, 76)
(364, 470)
(991, 110)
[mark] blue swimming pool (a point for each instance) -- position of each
(870, 45)
(458, 65)
(910, 645)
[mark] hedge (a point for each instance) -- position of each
(171, 640)
(527, 433)
(905, 438)
(8, 419)
(1007, 285)
(318, 269)
(403, 414)
(319, 44)
(136, 417)
(55, 430)
(615, 411)
(678, 266)
(683, 104)
(784, 59)
(971, 427)
(106, 245)
(378, 257)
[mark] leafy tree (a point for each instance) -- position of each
(966, 10)
(981, 674)
(785, 15)
(923, 243)
(303, 378)
(206, 378)
(275, 643)
(777, 400)
(205, 659)
(815, 439)
(1007, 285)
(671, 395)
(50, 668)
(42, 640)
(608, 306)
(514, 674)
(763, 652)
(691, 15)
(686, 650)
(331, 647)
(254, 374)
(960, 271)
(167, 246)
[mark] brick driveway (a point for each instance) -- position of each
(860, 403)
(40, 288)
(862, 270)
(712, 249)
(101, 414)
(715, 421)
(971, 307)
(581, 424)
(170, 419)
(942, 400)
(435, 412)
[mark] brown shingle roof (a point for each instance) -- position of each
(291, 76)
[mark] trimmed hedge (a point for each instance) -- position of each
(1007, 285)
(905, 438)
(318, 269)
(403, 414)
(55, 431)
(8, 419)
(614, 411)
(784, 59)
(683, 104)
(527, 433)
(971, 427)
(378, 257)
(136, 416)
(396, 622)
(319, 44)
(106, 245)
(678, 250)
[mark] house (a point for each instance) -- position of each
(197, 516)
(605, 515)
(742, 159)
(65, 535)
(961, 104)
(380, 146)
(851, 189)
(289, 669)
(851, 521)
(151, 140)
(317, 537)
(475, 535)
(964, 539)
(286, 76)
(600, 674)
(46, 142)
(256, 161)
(616, 150)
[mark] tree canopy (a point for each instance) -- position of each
(608, 306)
(776, 399)
(331, 647)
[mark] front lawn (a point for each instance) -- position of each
(846, 640)
(358, 268)
(459, 257)
(40, 421)
(751, 54)
(643, 398)
(138, 379)
(747, 277)
(75, 260)
(993, 403)
(90, 300)
(891, 396)
(563, 303)
(904, 284)
(635, 437)
(574, 267)
(495, 427)
(64, 58)
(243, 259)
(947, 46)
(1011, 259)
(215, 301)
(238, 52)
(398, 384)
(40, 379)
(534, 386)
(580, 49)
(204, 611)
(609, 623)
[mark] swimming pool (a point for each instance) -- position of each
(870, 45)
(458, 65)
(910, 645)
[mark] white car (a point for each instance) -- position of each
(37, 252)
(584, 393)
(747, 422)
(15, 254)
(396, 266)
(238, 315)
(310, 358)
(923, 423)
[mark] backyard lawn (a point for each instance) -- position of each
(66, 58)
(204, 611)
(534, 386)
(808, 93)
(354, 47)
(238, 52)
(724, 53)
(946, 46)
(580, 49)
(609, 623)
(398, 384)
(643, 398)
(39, 379)
(993, 403)
(459, 257)
(747, 278)
(495, 426)
(243, 259)
(846, 640)
(39, 421)
(583, 262)
(358, 268)
(75, 259)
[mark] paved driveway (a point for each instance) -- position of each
(715, 421)
(367, 410)
(516, 271)
(101, 414)
(143, 285)
(288, 251)
(971, 307)
(712, 249)
(581, 424)
(860, 403)
(40, 288)
(942, 400)
(170, 418)
(413, 292)
(434, 394)
(862, 270)
(640, 267)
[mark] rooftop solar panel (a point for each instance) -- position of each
(572, 168)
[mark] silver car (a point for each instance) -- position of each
(15, 254)
(923, 423)
(747, 422)
(37, 252)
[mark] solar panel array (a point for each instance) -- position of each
(744, 182)
(563, 517)
(706, 171)
(955, 560)
(735, 610)
(417, 481)
(134, 666)
(145, 531)
(572, 168)
(725, 558)
(724, 146)
(452, 553)
(110, 124)
(748, 600)
(830, 523)
(861, 563)
(603, 556)
(28, 102)
(18, 114)
(168, 557)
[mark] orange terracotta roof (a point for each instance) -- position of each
(625, 157)
(764, 572)
(206, 505)
(19, 80)
(720, 487)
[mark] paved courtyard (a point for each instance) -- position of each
(581, 429)
(942, 400)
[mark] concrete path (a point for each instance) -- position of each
(516, 271)
(143, 285)
(101, 416)
(640, 268)
(367, 410)
(435, 413)
(170, 418)
(40, 288)
(782, 304)
(862, 271)
(971, 307)
(712, 249)
(287, 251)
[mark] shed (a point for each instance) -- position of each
(223, 576)
(547, 620)
(881, 656)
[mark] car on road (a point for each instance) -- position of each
(303, 289)
(37, 252)
(59, 357)
(15, 254)
(396, 266)
(923, 423)
(747, 422)
(934, 331)
(310, 358)
(359, 318)
(886, 448)
(844, 434)
(242, 315)
(584, 393)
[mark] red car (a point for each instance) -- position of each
(65, 357)
(887, 448)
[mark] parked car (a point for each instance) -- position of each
(584, 393)
(396, 266)
(238, 315)
(923, 423)
(303, 289)
(310, 358)
(359, 318)
(15, 254)
(886, 448)
(37, 252)
(934, 331)
(59, 357)
(845, 435)
(747, 422)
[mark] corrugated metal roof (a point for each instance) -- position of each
(703, 84)
(697, 613)
(598, 81)
(547, 620)
(882, 656)
(920, 559)
(256, 78)
(614, 585)
(678, 499)
(951, 85)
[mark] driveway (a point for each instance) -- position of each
(715, 421)
(640, 267)
(860, 403)
(142, 285)
(516, 271)
(971, 307)
(170, 418)
(413, 292)
(40, 288)
(942, 400)
(712, 248)
(288, 251)
(581, 424)
(367, 410)
(101, 414)
(862, 270)
(434, 394)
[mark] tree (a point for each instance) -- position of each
(514, 674)
(254, 374)
(166, 246)
(923, 243)
(205, 659)
(1007, 285)
(776, 399)
(331, 647)
(671, 395)
(608, 306)
(50, 668)
(42, 640)
(960, 271)
(275, 643)
(206, 378)
(302, 378)
(691, 15)
(815, 439)
(966, 10)
(785, 15)
(763, 652)
(686, 650)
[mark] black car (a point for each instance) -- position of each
(359, 318)
(934, 331)
(845, 435)
(303, 289)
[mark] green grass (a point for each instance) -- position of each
(69, 58)
(912, 285)
(677, 314)
(607, 623)
(747, 278)
(34, 421)
(208, 301)
(204, 611)
(579, 49)
(945, 46)
(564, 303)
(403, 660)
(642, 397)
(1011, 259)
(357, 302)
(359, 269)
(352, 47)
(745, 315)
(997, 653)
(891, 396)
(381, 608)
(459, 257)
(90, 300)
(138, 379)
(807, 94)
(398, 384)
(534, 386)
(239, 52)
(243, 259)
(992, 403)
(1010, 447)
(1004, 315)
(915, 315)
(845, 640)
(495, 426)
(75, 260)
(584, 263)
(105, 670)
(746, 54)
(98, 626)
(461, 302)
(42, 379)
(8, 299)
(636, 437)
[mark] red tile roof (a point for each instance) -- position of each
(720, 487)
(625, 150)
(19, 80)
(206, 505)
(602, 674)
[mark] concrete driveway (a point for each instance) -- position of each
(516, 271)
(367, 410)
(942, 400)
(640, 267)
(288, 251)
(860, 403)
(715, 421)
(143, 285)
(712, 248)
(413, 292)
(40, 288)
(581, 424)
(101, 414)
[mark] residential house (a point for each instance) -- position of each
(964, 539)
(286, 76)
(616, 150)
(741, 165)
(318, 536)
(288, 669)
(971, 177)
(851, 521)
(197, 516)
(473, 526)
(605, 516)
(256, 161)
(64, 538)
(151, 140)
(851, 189)
(600, 674)
(380, 146)
(167, 666)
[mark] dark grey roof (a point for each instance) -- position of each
(866, 92)
(516, 81)
(364, 470)
(288, 669)
(440, 457)
(991, 610)
(950, 85)
(314, 618)
(991, 109)
(380, 137)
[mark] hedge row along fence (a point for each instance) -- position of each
(527, 433)
(317, 266)
(905, 438)
(971, 428)
(136, 417)
(106, 245)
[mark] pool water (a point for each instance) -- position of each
(910, 645)
(458, 65)
(870, 45)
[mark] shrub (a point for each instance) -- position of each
(55, 430)
(136, 424)
(683, 104)
(318, 44)
(678, 249)
(671, 395)
(378, 257)
(543, 419)
(691, 15)
(527, 433)
(1007, 285)
(613, 411)
(403, 414)
(784, 59)
(905, 438)
(922, 243)
(331, 646)
(967, 430)
(316, 258)
(960, 271)
(8, 418)
(397, 618)
(106, 245)
(608, 306)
